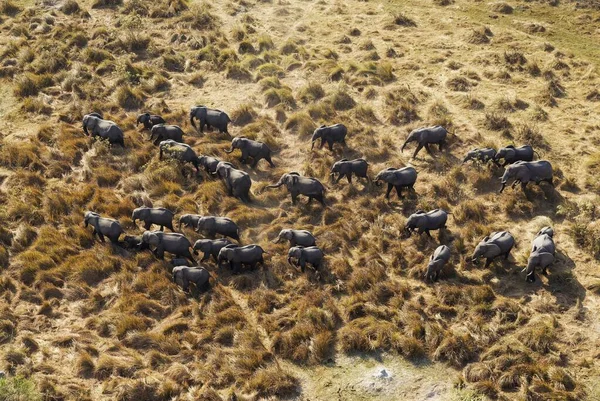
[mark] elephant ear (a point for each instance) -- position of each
(493, 249)
(294, 179)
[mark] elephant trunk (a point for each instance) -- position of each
(179, 228)
(275, 185)
(503, 185)
(290, 261)
(192, 120)
(85, 130)
(139, 119)
(276, 240)
(85, 223)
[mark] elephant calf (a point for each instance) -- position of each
(103, 226)
(210, 247)
(236, 181)
(154, 215)
(425, 137)
(134, 242)
(189, 220)
(524, 172)
(440, 257)
(178, 151)
(149, 120)
(213, 225)
(330, 135)
(510, 154)
(174, 243)
(162, 132)
(543, 252)
(254, 149)
(398, 178)
(494, 245)
(310, 255)
(346, 168)
(95, 126)
(296, 237)
(184, 275)
(209, 163)
(249, 255)
(484, 155)
(209, 118)
(425, 222)
(299, 185)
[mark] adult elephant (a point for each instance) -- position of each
(210, 118)
(162, 132)
(296, 237)
(543, 252)
(178, 151)
(524, 172)
(249, 255)
(347, 168)
(254, 149)
(330, 134)
(213, 225)
(398, 178)
(103, 226)
(511, 154)
(311, 255)
(95, 126)
(237, 182)
(210, 247)
(174, 243)
(184, 275)
(440, 257)
(427, 136)
(149, 120)
(299, 185)
(154, 215)
(494, 245)
(424, 222)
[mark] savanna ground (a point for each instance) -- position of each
(82, 320)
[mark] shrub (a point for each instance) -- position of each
(7, 7)
(496, 122)
(459, 84)
(402, 20)
(129, 99)
(300, 123)
(30, 84)
(106, 3)
(311, 92)
(244, 114)
(341, 100)
(200, 17)
(273, 382)
(502, 8)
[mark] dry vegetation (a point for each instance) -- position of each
(80, 320)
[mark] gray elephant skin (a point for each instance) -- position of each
(209, 118)
(330, 135)
(237, 256)
(510, 154)
(134, 242)
(103, 226)
(347, 168)
(484, 155)
(184, 275)
(237, 182)
(437, 261)
(254, 149)
(149, 120)
(426, 136)
(162, 132)
(398, 178)
(174, 243)
(154, 215)
(496, 244)
(209, 163)
(210, 247)
(299, 185)
(524, 172)
(426, 222)
(296, 237)
(178, 151)
(189, 220)
(543, 252)
(105, 129)
(311, 255)
(213, 225)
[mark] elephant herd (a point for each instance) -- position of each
(517, 161)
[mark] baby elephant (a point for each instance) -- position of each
(296, 237)
(440, 257)
(345, 168)
(311, 255)
(149, 120)
(542, 254)
(425, 222)
(425, 137)
(178, 151)
(184, 275)
(154, 215)
(134, 242)
(254, 149)
(210, 247)
(218, 225)
(330, 135)
(494, 245)
(484, 155)
(103, 226)
(209, 163)
(510, 154)
(524, 172)
(398, 178)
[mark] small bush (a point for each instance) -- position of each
(300, 123)
(459, 84)
(273, 382)
(243, 115)
(502, 8)
(30, 84)
(402, 20)
(129, 99)
(7, 7)
(311, 92)
(106, 3)
(341, 100)
(496, 122)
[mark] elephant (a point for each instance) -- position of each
(149, 120)
(210, 247)
(237, 182)
(103, 226)
(426, 136)
(494, 245)
(484, 155)
(162, 132)
(296, 237)
(179, 151)
(524, 172)
(96, 114)
(189, 220)
(209, 163)
(209, 117)
(510, 154)
(440, 257)
(237, 256)
(154, 215)
(330, 134)
(345, 168)
(105, 129)
(179, 262)
(184, 275)
(543, 252)
(424, 222)
(174, 243)
(254, 149)
(134, 242)
(299, 185)
(397, 178)
(310, 255)
(213, 225)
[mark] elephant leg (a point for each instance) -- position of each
(330, 143)
(531, 277)
(268, 159)
(255, 162)
(188, 255)
(507, 254)
(428, 149)
(545, 270)
(399, 191)
(160, 253)
(170, 227)
(428, 233)
(389, 189)
(294, 198)
(212, 233)
(322, 143)
(321, 199)
(310, 198)
(101, 236)
(523, 185)
(488, 262)
(349, 177)
(236, 267)
(147, 225)
(441, 145)
(550, 181)
(417, 150)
